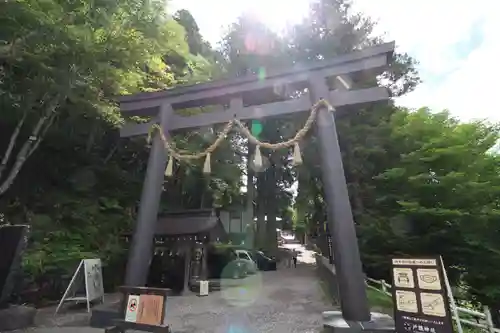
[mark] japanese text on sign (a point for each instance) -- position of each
(415, 262)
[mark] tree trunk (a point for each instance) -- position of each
(248, 221)
(111, 153)
(271, 241)
(91, 139)
(261, 211)
(29, 146)
(12, 143)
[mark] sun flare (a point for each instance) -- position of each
(213, 17)
(277, 14)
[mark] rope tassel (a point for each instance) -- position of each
(297, 157)
(257, 161)
(206, 167)
(170, 167)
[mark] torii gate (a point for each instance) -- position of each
(253, 98)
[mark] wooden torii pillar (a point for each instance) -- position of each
(253, 98)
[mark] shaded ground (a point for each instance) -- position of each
(284, 301)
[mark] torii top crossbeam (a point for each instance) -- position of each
(254, 97)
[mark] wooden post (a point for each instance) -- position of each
(350, 277)
(142, 240)
(187, 263)
(204, 263)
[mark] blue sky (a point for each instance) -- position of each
(455, 41)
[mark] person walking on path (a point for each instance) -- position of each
(294, 258)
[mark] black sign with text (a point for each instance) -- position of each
(420, 299)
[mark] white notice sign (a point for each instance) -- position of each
(132, 307)
(86, 284)
(203, 288)
(93, 279)
(414, 262)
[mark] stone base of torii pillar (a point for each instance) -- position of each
(334, 322)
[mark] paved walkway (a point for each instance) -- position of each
(285, 301)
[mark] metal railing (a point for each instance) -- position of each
(483, 319)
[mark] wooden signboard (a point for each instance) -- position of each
(420, 296)
(150, 310)
(144, 309)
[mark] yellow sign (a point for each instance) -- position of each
(433, 304)
(428, 278)
(406, 301)
(403, 277)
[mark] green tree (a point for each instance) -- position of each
(443, 197)
(53, 61)
(59, 75)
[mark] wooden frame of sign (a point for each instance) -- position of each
(143, 309)
(421, 303)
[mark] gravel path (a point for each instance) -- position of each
(284, 301)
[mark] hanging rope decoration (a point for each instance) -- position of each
(179, 155)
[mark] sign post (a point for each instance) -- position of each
(452, 300)
(420, 297)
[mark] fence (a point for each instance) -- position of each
(483, 319)
(326, 274)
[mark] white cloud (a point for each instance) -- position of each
(470, 91)
(214, 16)
(430, 31)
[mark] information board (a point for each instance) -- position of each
(420, 296)
(93, 279)
(87, 277)
(145, 309)
(150, 310)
